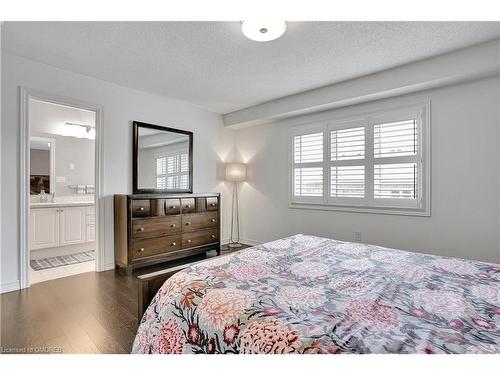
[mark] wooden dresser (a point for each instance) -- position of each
(151, 228)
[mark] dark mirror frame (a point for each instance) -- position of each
(135, 150)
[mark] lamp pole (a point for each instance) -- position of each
(235, 217)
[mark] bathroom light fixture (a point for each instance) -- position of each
(263, 31)
(73, 129)
(88, 128)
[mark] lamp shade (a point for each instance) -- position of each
(236, 172)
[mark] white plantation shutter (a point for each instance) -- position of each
(161, 171)
(309, 182)
(395, 148)
(372, 163)
(347, 144)
(172, 172)
(347, 181)
(308, 171)
(308, 148)
(161, 166)
(395, 181)
(395, 139)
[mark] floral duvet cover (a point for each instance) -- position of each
(306, 294)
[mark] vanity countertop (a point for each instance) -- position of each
(60, 204)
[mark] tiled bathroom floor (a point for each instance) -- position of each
(57, 272)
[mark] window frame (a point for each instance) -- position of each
(368, 204)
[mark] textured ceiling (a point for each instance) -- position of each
(213, 65)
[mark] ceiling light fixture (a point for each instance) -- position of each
(263, 31)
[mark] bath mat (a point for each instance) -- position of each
(63, 260)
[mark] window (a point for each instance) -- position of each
(372, 163)
(172, 172)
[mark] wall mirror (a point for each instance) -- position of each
(42, 165)
(162, 159)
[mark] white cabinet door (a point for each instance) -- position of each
(44, 227)
(72, 225)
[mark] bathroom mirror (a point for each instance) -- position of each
(42, 165)
(162, 159)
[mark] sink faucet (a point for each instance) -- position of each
(53, 198)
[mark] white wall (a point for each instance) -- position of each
(464, 218)
(212, 143)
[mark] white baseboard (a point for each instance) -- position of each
(10, 287)
(107, 267)
(248, 241)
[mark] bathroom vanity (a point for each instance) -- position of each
(61, 224)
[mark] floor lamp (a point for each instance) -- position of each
(235, 173)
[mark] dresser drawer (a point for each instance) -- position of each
(156, 227)
(202, 237)
(192, 222)
(140, 208)
(173, 206)
(212, 204)
(188, 205)
(154, 246)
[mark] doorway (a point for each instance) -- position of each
(60, 182)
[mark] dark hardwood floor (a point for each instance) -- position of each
(93, 312)
(86, 313)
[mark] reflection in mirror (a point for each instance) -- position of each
(41, 165)
(162, 160)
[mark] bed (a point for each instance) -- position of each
(306, 294)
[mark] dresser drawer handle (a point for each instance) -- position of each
(141, 209)
(141, 250)
(188, 223)
(188, 206)
(188, 241)
(172, 207)
(212, 204)
(173, 244)
(213, 220)
(141, 229)
(213, 235)
(172, 226)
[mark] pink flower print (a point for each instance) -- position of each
(193, 333)
(219, 307)
(248, 271)
(419, 313)
(269, 336)
(489, 293)
(484, 323)
(455, 266)
(444, 303)
(309, 269)
(171, 338)
(457, 324)
(372, 312)
(230, 334)
(305, 298)
(271, 311)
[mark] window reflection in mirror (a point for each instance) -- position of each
(162, 160)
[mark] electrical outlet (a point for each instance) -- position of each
(357, 236)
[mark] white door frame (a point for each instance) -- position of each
(24, 206)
